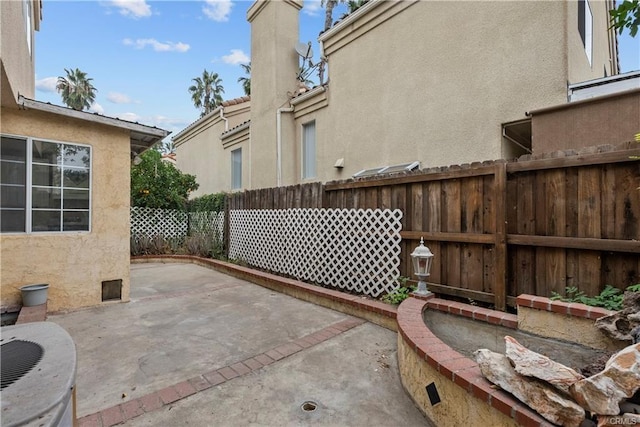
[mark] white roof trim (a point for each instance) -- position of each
(236, 130)
(212, 114)
(309, 94)
(350, 18)
(92, 117)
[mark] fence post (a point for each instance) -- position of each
(226, 229)
(500, 257)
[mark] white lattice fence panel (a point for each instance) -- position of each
(152, 222)
(206, 222)
(352, 249)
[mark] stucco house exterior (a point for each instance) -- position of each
(211, 148)
(65, 202)
(427, 83)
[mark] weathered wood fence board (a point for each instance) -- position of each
(500, 229)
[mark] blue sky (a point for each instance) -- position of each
(143, 54)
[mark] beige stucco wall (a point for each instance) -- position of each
(74, 264)
(457, 406)
(274, 64)
(442, 103)
(428, 81)
(17, 63)
(570, 328)
(579, 68)
(407, 83)
(237, 140)
(572, 126)
(201, 152)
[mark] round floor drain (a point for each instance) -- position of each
(309, 406)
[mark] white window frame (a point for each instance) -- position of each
(309, 165)
(29, 187)
(26, 11)
(236, 175)
(585, 17)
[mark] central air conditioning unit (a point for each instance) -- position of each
(38, 363)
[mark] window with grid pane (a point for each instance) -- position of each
(46, 186)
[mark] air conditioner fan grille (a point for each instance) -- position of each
(17, 358)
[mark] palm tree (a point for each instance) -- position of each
(76, 90)
(246, 81)
(354, 5)
(207, 91)
(329, 5)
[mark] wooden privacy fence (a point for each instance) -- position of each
(500, 229)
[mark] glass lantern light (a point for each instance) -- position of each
(422, 259)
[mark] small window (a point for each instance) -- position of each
(236, 169)
(309, 150)
(45, 186)
(585, 27)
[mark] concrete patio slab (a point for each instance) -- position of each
(197, 347)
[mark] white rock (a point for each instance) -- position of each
(603, 392)
(541, 397)
(531, 364)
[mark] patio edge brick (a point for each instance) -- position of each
(123, 412)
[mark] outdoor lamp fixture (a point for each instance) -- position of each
(422, 259)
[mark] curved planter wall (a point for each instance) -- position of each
(466, 397)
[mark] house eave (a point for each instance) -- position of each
(200, 122)
(142, 136)
(235, 130)
(573, 104)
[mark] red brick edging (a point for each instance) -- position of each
(36, 313)
(134, 408)
(569, 308)
(454, 366)
(476, 313)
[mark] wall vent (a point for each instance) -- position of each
(112, 290)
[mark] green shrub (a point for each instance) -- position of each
(610, 297)
(208, 203)
(402, 293)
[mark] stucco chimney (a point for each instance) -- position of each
(274, 66)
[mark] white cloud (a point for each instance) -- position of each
(312, 7)
(118, 98)
(132, 8)
(48, 84)
(96, 108)
(236, 57)
(157, 46)
(217, 10)
(131, 117)
(168, 122)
